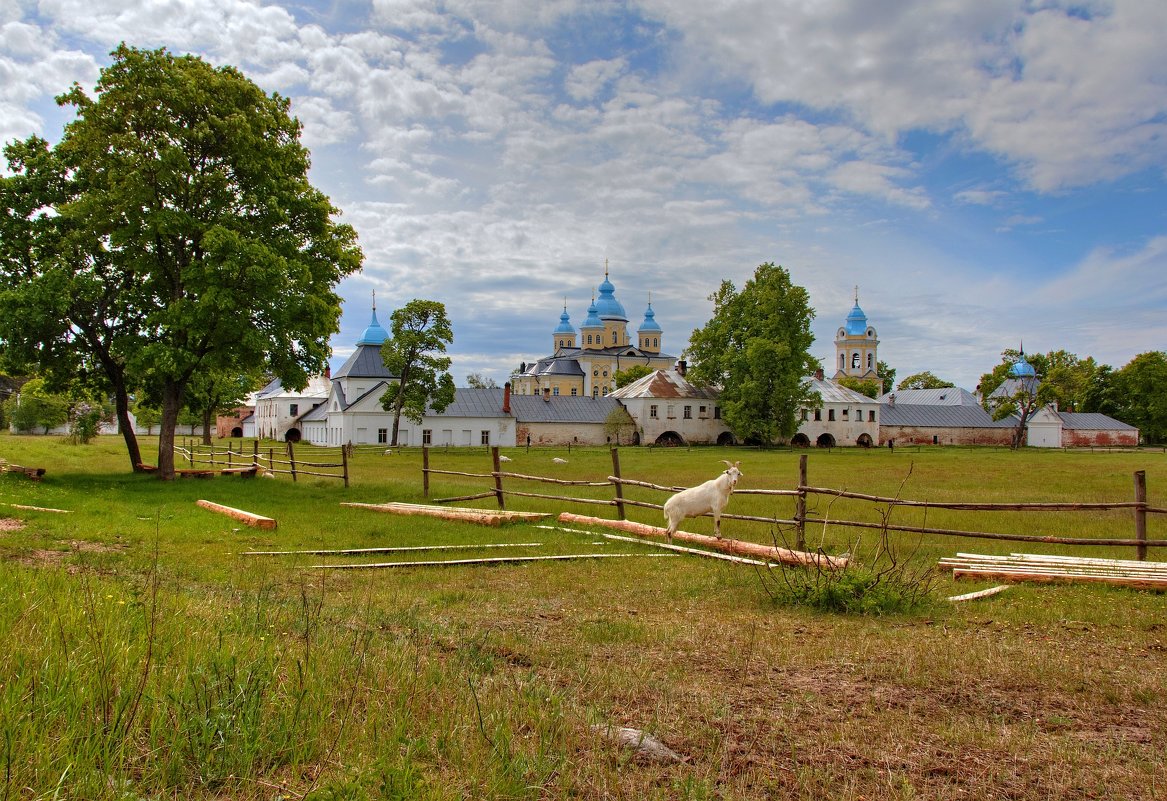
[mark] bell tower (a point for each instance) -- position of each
(855, 346)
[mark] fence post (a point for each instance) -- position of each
(497, 477)
(425, 471)
(344, 464)
(619, 486)
(292, 460)
(1141, 512)
(800, 504)
(190, 453)
(254, 454)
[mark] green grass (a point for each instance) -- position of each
(145, 657)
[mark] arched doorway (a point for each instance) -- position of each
(726, 438)
(800, 441)
(670, 439)
(237, 433)
(864, 441)
(825, 441)
(292, 435)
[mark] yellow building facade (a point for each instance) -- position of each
(585, 362)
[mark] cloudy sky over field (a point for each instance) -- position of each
(986, 171)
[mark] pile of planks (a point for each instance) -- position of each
(1140, 575)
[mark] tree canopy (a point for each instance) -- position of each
(418, 333)
(172, 230)
(756, 347)
(633, 374)
(924, 380)
(1141, 387)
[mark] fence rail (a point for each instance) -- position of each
(802, 516)
(270, 460)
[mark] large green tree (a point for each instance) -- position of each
(184, 188)
(756, 348)
(418, 334)
(924, 380)
(1141, 390)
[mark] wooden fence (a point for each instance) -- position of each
(802, 516)
(277, 461)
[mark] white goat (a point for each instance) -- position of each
(558, 460)
(503, 458)
(710, 497)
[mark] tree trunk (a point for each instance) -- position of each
(171, 404)
(125, 424)
(206, 426)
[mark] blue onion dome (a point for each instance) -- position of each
(593, 319)
(650, 323)
(565, 326)
(1021, 368)
(856, 321)
(374, 334)
(607, 305)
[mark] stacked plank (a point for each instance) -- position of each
(484, 516)
(1130, 573)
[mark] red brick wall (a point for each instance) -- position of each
(910, 435)
(1085, 438)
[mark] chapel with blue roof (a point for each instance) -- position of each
(584, 362)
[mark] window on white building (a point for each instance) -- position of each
(652, 411)
(427, 436)
(688, 413)
(382, 435)
(485, 437)
(294, 409)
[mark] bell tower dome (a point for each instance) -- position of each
(856, 346)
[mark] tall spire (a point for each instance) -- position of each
(857, 294)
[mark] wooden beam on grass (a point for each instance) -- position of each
(251, 519)
(972, 596)
(397, 549)
(741, 560)
(998, 574)
(495, 560)
(736, 547)
(483, 516)
(19, 506)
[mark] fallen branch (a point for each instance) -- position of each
(251, 519)
(737, 547)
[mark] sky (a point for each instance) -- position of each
(989, 173)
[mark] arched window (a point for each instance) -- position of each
(842, 361)
(613, 337)
(870, 360)
(589, 339)
(655, 342)
(855, 360)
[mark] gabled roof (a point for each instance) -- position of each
(925, 416)
(664, 384)
(946, 396)
(562, 409)
(317, 412)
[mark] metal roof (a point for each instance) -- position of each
(364, 362)
(474, 402)
(925, 416)
(562, 408)
(1095, 421)
(945, 396)
(664, 384)
(831, 392)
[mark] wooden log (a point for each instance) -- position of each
(396, 549)
(737, 547)
(244, 472)
(39, 509)
(487, 561)
(35, 473)
(972, 596)
(483, 516)
(251, 519)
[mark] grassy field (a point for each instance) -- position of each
(145, 656)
